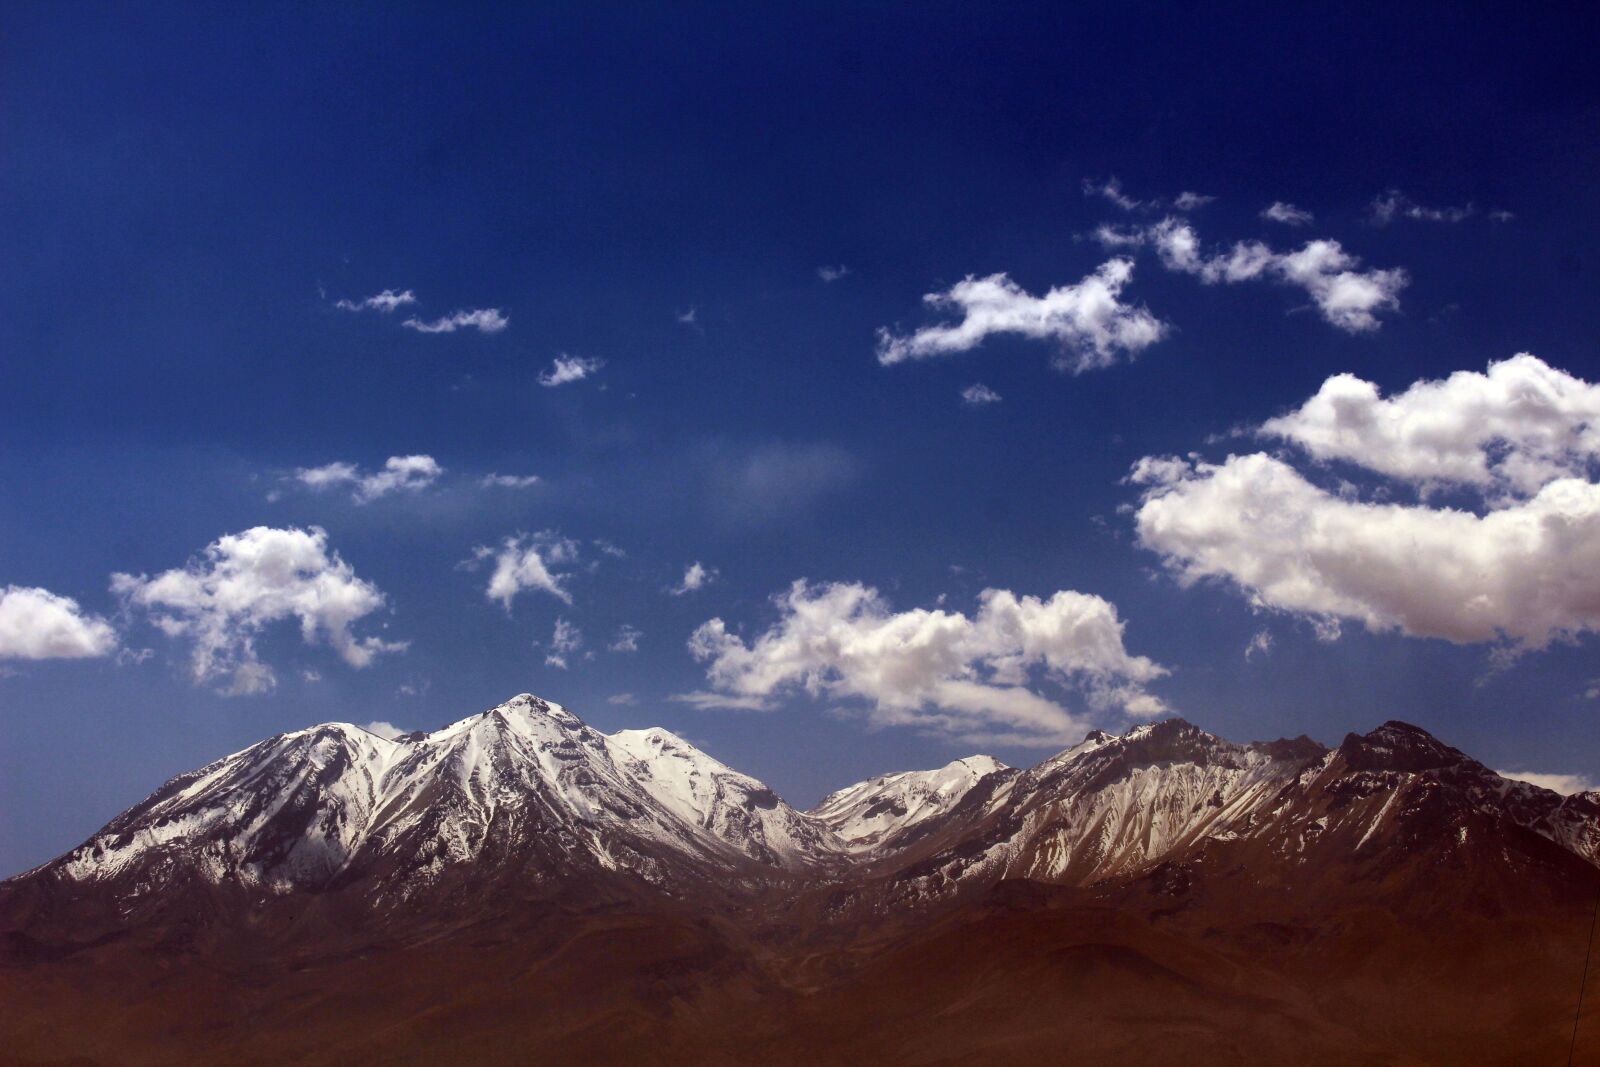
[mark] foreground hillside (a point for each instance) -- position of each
(520, 888)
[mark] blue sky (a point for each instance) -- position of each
(664, 200)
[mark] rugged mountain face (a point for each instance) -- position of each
(517, 878)
(1168, 794)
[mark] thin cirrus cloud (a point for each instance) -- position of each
(564, 370)
(399, 474)
(383, 303)
(37, 624)
(527, 563)
(241, 583)
(832, 274)
(1088, 320)
(969, 677)
(1288, 214)
(1517, 571)
(1348, 297)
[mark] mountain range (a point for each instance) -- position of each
(518, 887)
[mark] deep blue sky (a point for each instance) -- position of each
(184, 195)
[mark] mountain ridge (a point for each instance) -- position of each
(311, 808)
(518, 879)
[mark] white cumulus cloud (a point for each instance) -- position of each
(1519, 570)
(243, 582)
(566, 369)
(383, 729)
(1512, 429)
(399, 473)
(527, 563)
(1088, 320)
(942, 671)
(978, 394)
(484, 320)
(38, 624)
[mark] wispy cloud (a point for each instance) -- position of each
(832, 274)
(773, 481)
(1566, 784)
(627, 639)
(383, 302)
(484, 320)
(695, 576)
(509, 481)
(1394, 204)
(399, 473)
(566, 369)
(978, 394)
(1288, 214)
(1348, 297)
(525, 562)
(1111, 191)
(564, 641)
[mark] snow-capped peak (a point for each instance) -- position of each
(523, 780)
(708, 794)
(880, 811)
